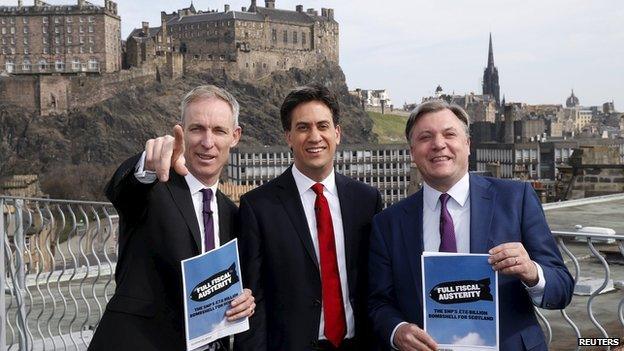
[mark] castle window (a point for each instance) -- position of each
(69, 30)
(69, 40)
(45, 40)
(57, 51)
(69, 50)
(59, 65)
(93, 64)
(57, 40)
(9, 66)
(25, 30)
(81, 40)
(294, 37)
(80, 19)
(42, 65)
(285, 37)
(3, 30)
(57, 30)
(26, 66)
(12, 30)
(68, 19)
(24, 20)
(56, 20)
(90, 40)
(80, 29)
(25, 41)
(90, 29)
(90, 18)
(273, 35)
(303, 38)
(76, 64)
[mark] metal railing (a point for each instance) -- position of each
(56, 267)
(58, 259)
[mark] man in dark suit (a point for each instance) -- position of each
(304, 239)
(458, 212)
(166, 216)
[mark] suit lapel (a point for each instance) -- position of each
(182, 198)
(412, 232)
(225, 214)
(348, 213)
(289, 196)
(481, 212)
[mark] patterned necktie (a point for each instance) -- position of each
(207, 214)
(333, 308)
(447, 229)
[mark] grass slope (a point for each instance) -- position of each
(389, 128)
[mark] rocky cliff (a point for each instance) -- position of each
(90, 143)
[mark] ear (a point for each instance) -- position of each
(338, 134)
(468, 142)
(287, 137)
(238, 131)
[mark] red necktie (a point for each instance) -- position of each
(333, 307)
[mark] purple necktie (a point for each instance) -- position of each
(447, 230)
(207, 214)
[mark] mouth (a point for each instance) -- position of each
(440, 159)
(205, 157)
(315, 150)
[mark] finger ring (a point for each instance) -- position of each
(516, 261)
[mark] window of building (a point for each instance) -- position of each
(26, 66)
(57, 40)
(68, 20)
(80, 19)
(25, 41)
(42, 65)
(44, 29)
(81, 40)
(274, 35)
(80, 29)
(303, 38)
(69, 29)
(93, 64)
(45, 20)
(12, 30)
(76, 64)
(90, 29)
(91, 40)
(24, 20)
(45, 40)
(69, 50)
(90, 49)
(3, 21)
(4, 30)
(82, 49)
(9, 66)
(57, 20)
(294, 37)
(25, 30)
(57, 30)
(12, 50)
(69, 40)
(59, 65)
(285, 37)
(46, 50)
(91, 19)
(57, 51)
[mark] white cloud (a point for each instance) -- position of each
(473, 339)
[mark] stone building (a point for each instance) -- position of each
(145, 44)
(373, 97)
(255, 41)
(490, 77)
(46, 38)
(386, 167)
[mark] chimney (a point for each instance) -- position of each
(299, 8)
(312, 12)
(145, 28)
(19, 3)
(323, 12)
(80, 3)
(269, 4)
(330, 13)
(252, 7)
(38, 3)
(244, 9)
(226, 8)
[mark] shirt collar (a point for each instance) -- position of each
(196, 186)
(459, 192)
(304, 183)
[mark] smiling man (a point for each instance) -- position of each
(304, 239)
(460, 212)
(169, 210)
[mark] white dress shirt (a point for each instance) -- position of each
(308, 197)
(195, 187)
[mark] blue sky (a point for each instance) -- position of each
(542, 48)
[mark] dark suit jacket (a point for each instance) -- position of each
(500, 211)
(280, 265)
(157, 229)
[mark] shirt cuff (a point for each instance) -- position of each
(537, 292)
(392, 335)
(143, 176)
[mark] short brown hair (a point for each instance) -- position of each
(306, 93)
(435, 106)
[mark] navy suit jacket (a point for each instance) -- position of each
(500, 211)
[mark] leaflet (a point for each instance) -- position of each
(460, 299)
(210, 282)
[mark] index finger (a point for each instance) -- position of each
(177, 157)
(425, 338)
(504, 246)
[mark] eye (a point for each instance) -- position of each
(302, 127)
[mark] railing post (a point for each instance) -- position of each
(20, 283)
(3, 312)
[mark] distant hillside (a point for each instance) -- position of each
(389, 128)
(102, 136)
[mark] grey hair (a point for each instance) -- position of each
(435, 106)
(206, 92)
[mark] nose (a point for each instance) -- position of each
(207, 140)
(315, 135)
(439, 142)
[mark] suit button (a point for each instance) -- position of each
(316, 303)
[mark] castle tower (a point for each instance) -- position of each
(269, 4)
(252, 7)
(490, 77)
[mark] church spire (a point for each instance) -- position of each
(491, 53)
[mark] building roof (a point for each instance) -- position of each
(603, 211)
(137, 33)
(274, 15)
